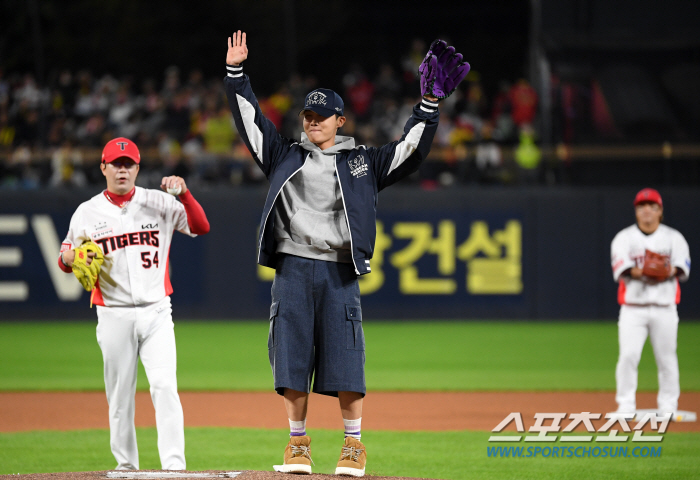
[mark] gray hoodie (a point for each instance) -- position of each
(309, 215)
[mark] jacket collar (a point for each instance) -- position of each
(341, 144)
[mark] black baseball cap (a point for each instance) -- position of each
(324, 102)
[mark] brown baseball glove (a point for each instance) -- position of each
(656, 266)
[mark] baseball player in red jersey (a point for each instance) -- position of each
(648, 297)
(133, 228)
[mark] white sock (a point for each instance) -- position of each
(353, 428)
(297, 429)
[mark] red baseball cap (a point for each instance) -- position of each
(648, 195)
(120, 147)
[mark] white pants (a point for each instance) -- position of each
(125, 334)
(661, 325)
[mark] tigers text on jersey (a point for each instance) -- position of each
(627, 251)
(135, 239)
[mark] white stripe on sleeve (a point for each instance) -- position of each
(234, 71)
(430, 107)
(255, 135)
(407, 147)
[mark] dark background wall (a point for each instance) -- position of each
(321, 38)
(565, 242)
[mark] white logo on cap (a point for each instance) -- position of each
(316, 98)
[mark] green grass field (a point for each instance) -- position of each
(417, 356)
(400, 356)
(448, 455)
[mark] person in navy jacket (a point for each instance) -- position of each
(317, 231)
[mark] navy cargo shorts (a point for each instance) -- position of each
(316, 327)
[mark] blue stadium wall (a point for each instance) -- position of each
(471, 253)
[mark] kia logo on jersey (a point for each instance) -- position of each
(150, 225)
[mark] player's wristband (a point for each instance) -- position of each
(428, 106)
(63, 261)
(234, 71)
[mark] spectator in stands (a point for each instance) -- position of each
(359, 92)
(27, 124)
(172, 160)
(4, 91)
(19, 172)
(387, 85)
(196, 89)
(219, 132)
(171, 82)
(476, 103)
(7, 131)
(67, 90)
(177, 121)
(488, 158)
(29, 93)
(67, 167)
(409, 66)
(92, 132)
(523, 101)
(527, 157)
(122, 108)
(178, 124)
(501, 113)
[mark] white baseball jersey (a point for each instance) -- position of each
(135, 240)
(627, 251)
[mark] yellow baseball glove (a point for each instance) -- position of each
(87, 274)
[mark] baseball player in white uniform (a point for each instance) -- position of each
(133, 227)
(648, 304)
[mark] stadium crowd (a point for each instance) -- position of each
(51, 134)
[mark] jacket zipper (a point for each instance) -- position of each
(347, 221)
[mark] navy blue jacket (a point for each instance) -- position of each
(362, 171)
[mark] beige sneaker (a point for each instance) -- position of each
(353, 458)
(297, 456)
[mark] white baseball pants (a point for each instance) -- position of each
(125, 334)
(661, 325)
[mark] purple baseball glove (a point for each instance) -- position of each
(441, 70)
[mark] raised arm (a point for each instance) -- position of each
(441, 72)
(257, 132)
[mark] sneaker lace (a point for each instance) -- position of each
(302, 451)
(352, 453)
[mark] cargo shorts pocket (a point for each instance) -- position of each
(272, 337)
(353, 327)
